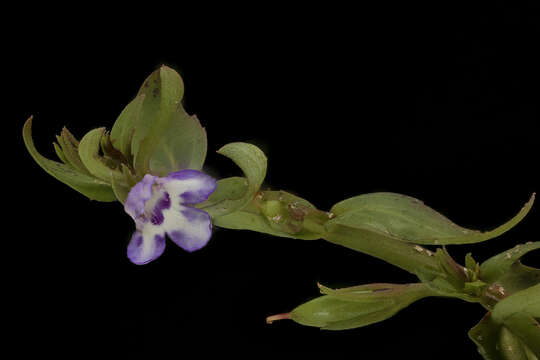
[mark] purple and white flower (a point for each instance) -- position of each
(161, 206)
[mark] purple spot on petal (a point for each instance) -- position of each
(204, 185)
(162, 204)
(160, 240)
(192, 214)
(193, 197)
(142, 251)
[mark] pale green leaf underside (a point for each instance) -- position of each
(91, 187)
(180, 145)
(408, 219)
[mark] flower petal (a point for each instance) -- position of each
(145, 246)
(189, 228)
(191, 186)
(138, 196)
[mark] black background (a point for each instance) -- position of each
(437, 103)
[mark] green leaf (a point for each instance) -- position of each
(497, 342)
(124, 127)
(357, 306)
(527, 330)
(70, 151)
(166, 138)
(485, 335)
(410, 257)
(408, 219)
(89, 154)
(250, 218)
(180, 145)
(122, 185)
(277, 213)
(497, 266)
(232, 188)
(510, 345)
(121, 190)
(60, 153)
(252, 161)
(91, 187)
(162, 90)
(518, 313)
(526, 302)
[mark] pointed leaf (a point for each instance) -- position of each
(408, 219)
(86, 185)
(60, 153)
(70, 151)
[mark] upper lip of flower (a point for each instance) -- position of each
(161, 205)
